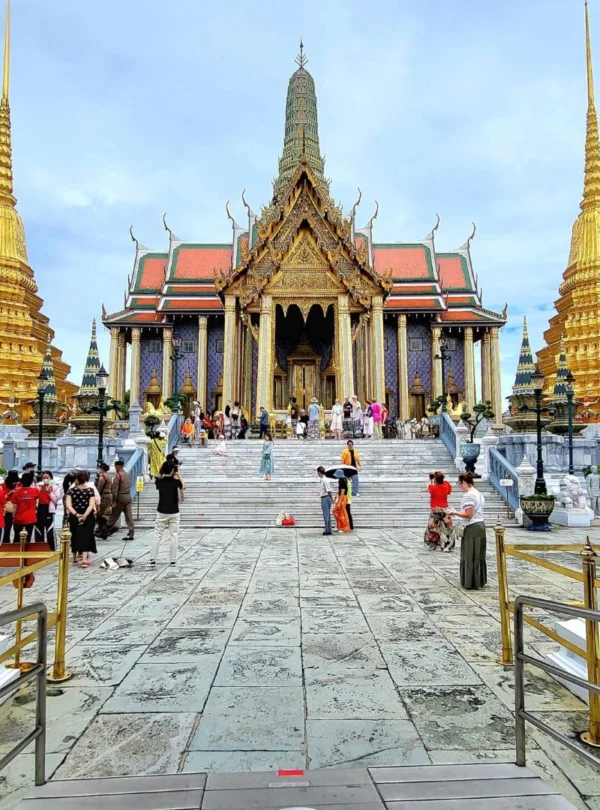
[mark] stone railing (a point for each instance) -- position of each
(136, 468)
(448, 434)
(499, 469)
(173, 431)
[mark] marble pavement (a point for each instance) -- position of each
(282, 648)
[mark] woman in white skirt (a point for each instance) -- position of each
(337, 424)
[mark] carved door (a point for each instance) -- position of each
(304, 383)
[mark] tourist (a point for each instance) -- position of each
(302, 428)
(187, 431)
(25, 499)
(236, 412)
(197, 415)
(167, 512)
(226, 422)
(10, 483)
(337, 423)
(294, 413)
(244, 428)
(221, 449)
(347, 409)
(438, 534)
(156, 452)
(49, 498)
(340, 508)
(351, 458)
(104, 487)
(266, 462)
(173, 458)
(313, 419)
(263, 423)
(377, 413)
(80, 507)
(368, 420)
(326, 498)
(357, 418)
(425, 427)
(208, 425)
(473, 565)
(386, 422)
(121, 500)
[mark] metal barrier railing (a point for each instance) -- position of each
(587, 577)
(38, 735)
(592, 617)
(26, 561)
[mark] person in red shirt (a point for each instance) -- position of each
(10, 483)
(25, 500)
(49, 497)
(439, 535)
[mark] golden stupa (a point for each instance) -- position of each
(24, 331)
(578, 308)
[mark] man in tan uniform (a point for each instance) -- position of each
(121, 500)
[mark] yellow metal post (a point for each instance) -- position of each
(506, 659)
(59, 671)
(590, 599)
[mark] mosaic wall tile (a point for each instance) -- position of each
(419, 361)
(215, 359)
(457, 360)
(150, 359)
(254, 375)
(188, 333)
(390, 339)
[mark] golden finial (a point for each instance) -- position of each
(591, 188)
(6, 176)
(6, 77)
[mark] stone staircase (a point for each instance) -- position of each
(228, 491)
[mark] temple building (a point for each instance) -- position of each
(303, 302)
(24, 330)
(577, 317)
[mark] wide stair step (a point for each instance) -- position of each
(429, 787)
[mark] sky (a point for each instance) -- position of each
(125, 109)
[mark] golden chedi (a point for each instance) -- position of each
(578, 308)
(24, 331)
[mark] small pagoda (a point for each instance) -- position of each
(560, 403)
(86, 421)
(51, 427)
(523, 395)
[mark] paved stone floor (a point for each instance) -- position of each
(282, 648)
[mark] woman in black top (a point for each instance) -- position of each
(343, 488)
(80, 502)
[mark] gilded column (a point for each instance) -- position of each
(360, 365)
(202, 359)
(486, 369)
(134, 371)
(496, 375)
(122, 366)
(264, 384)
(167, 375)
(469, 362)
(378, 348)
(113, 365)
(345, 346)
(247, 386)
(229, 346)
(403, 403)
(436, 364)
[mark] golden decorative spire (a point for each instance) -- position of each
(591, 187)
(6, 176)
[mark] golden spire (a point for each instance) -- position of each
(6, 175)
(6, 76)
(591, 187)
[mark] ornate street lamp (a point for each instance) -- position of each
(176, 357)
(41, 392)
(102, 378)
(537, 381)
(445, 357)
(570, 379)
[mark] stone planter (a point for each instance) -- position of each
(538, 510)
(469, 452)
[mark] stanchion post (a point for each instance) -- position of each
(59, 672)
(590, 601)
(506, 658)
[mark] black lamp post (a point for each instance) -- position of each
(570, 379)
(445, 357)
(176, 357)
(42, 391)
(537, 381)
(102, 385)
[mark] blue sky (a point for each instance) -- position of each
(124, 110)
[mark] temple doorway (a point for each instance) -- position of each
(303, 355)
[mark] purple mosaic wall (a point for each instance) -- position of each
(420, 360)
(149, 361)
(215, 360)
(254, 376)
(189, 360)
(390, 337)
(457, 360)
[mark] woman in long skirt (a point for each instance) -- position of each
(267, 465)
(438, 534)
(80, 504)
(340, 511)
(473, 565)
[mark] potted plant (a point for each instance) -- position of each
(151, 423)
(538, 508)
(469, 451)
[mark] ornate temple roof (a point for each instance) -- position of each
(562, 372)
(92, 366)
(526, 367)
(186, 278)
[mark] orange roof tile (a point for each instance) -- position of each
(414, 303)
(151, 272)
(405, 261)
(454, 273)
(191, 262)
(466, 315)
(196, 303)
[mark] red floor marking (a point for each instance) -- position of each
(284, 772)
